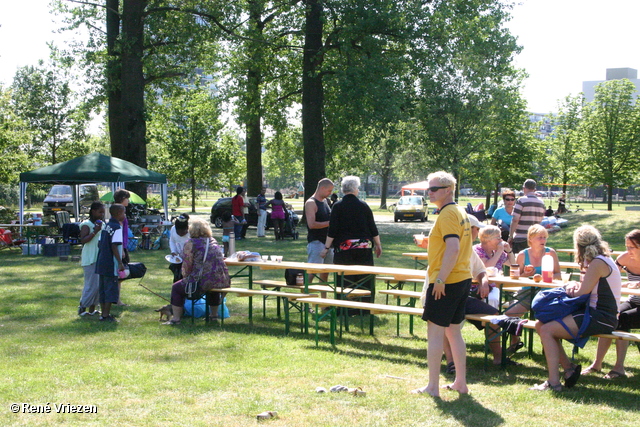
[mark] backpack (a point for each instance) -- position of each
(554, 305)
(290, 275)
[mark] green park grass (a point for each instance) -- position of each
(140, 373)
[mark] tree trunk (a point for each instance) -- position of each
(134, 126)
(312, 99)
(254, 141)
(254, 102)
(114, 94)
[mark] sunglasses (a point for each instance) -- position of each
(434, 189)
(509, 199)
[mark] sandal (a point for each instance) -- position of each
(172, 322)
(450, 369)
(513, 348)
(572, 379)
(546, 386)
(508, 362)
(612, 375)
(590, 370)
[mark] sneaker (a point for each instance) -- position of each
(85, 314)
(93, 313)
(108, 318)
(82, 310)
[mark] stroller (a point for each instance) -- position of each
(290, 223)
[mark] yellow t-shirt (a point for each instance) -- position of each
(452, 221)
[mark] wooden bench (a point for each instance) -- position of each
(393, 283)
(373, 308)
(413, 296)
(289, 299)
(531, 324)
(349, 292)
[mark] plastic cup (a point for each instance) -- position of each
(274, 258)
(265, 258)
(279, 258)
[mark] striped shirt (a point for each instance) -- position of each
(528, 210)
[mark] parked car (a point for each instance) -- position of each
(224, 204)
(60, 198)
(411, 207)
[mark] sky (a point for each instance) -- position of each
(565, 42)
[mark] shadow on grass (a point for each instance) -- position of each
(469, 412)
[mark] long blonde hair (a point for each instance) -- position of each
(588, 244)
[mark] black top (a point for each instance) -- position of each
(351, 218)
(323, 214)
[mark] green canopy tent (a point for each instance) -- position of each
(94, 167)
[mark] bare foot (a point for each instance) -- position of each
(426, 390)
(460, 389)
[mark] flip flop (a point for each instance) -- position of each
(572, 379)
(590, 370)
(612, 375)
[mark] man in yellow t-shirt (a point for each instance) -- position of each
(449, 275)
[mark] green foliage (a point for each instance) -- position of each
(610, 136)
(14, 138)
(283, 159)
(189, 146)
(43, 98)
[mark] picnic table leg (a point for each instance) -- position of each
(285, 301)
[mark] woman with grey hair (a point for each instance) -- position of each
(353, 233)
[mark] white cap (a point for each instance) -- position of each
(474, 222)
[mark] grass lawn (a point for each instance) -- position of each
(140, 373)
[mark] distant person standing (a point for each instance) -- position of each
(317, 213)
(529, 210)
(237, 210)
(261, 201)
(448, 283)
(277, 214)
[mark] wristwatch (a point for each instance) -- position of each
(439, 281)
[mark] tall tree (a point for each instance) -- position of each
(14, 139)
(187, 132)
(43, 97)
(565, 142)
(610, 133)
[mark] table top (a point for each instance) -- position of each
(567, 264)
(396, 273)
(572, 251)
(525, 281)
(27, 225)
(416, 255)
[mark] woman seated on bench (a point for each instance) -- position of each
(209, 273)
(530, 261)
(629, 317)
(603, 283)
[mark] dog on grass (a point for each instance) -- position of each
(166, 310)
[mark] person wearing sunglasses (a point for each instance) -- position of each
(448, 283)
(503, 215)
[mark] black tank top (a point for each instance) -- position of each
(323, 214)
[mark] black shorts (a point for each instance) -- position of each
(477, 306)
(600, 323)
(629, 317)
(450, 308)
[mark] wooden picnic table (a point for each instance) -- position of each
(572, 252)
(418, 258)
(336, 272)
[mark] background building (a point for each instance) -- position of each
(589, 88)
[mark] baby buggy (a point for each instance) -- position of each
(290, 223)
